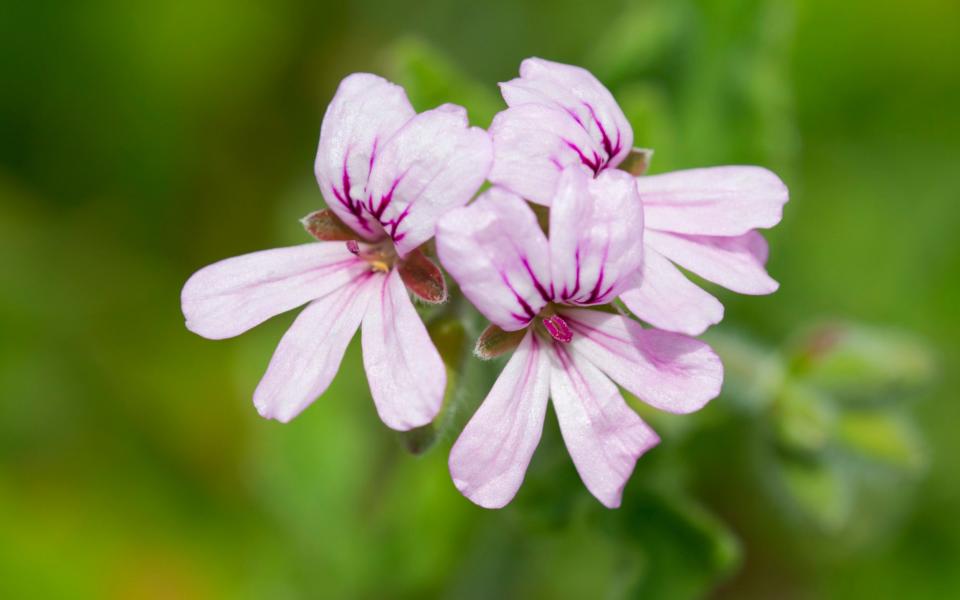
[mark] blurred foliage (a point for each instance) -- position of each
(140, 141)
(830, 442)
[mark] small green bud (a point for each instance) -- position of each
(495, 341)
(637, 162)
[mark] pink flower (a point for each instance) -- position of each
(534, 290)
(389, 174)
(703, 220)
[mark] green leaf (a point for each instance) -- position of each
(803, 419)
(820, 491)
(858, 362)
(431, 79)
(883, 437)
(687, 549)
(637, 41)
(753, 374)
(648, 108)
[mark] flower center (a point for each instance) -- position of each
(380, 255)
(557, 328)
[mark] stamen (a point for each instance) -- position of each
(558, 328)
(380, 256)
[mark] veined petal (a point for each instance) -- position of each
(231, 296)
(596, 236)
(533, 143)
(490, 458)
(669, 371)
(666, 299)
(497, 252)
(433, 164)
(309, 354)
(406, 374)
(736, 263)
(603, 435)
(718, 201)
(365, 112)
(575, 90)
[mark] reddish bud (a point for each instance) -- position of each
(327, 227)
(423, 278)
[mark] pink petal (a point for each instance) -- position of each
(532, 144)
(575, 90)
(596, 236)
(491, 456)
(309, 354)
(603, 435)
(666, 299)
(719, 201)
(736, 263)
(406, 374)
(669, 371)
(433, 164)
(497, 252)
(365, 112)
(231, 296)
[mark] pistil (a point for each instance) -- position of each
(557, 328)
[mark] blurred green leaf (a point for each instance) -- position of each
(882, 436)
(687, 550)
(648, 108)
(753, 373)
(803, 419)
(820, 490)
(639, 39)
(863, 363)
(431, 80)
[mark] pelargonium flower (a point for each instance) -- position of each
(536, 292)
(387, 174)
(703, 220)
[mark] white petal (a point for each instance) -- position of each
(603, 435)
(497, 252)
(406, 374)
(231, 296)
(669, 371)
(736, 263)
(490, 458)
(434, 164)
(532, 144)
(596, 236)
(309, 354)
(365, 112)
(719, 201)
(666, 299)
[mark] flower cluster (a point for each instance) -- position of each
(552, 282)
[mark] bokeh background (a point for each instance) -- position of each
(140, 141)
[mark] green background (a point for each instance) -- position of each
(140, 141)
